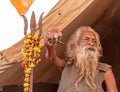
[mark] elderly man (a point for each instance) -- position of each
(81, 70)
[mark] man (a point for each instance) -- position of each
(82, 71)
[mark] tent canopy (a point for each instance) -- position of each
(67, 16)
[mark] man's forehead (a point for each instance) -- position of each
(88, 33)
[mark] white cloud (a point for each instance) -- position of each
(11, 23)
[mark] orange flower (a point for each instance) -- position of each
(31, 52)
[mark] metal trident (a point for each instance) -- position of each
(33, 24)
(33, 30)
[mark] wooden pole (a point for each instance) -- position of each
(31, 81)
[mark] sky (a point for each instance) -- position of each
(12, 24)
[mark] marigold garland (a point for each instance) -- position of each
(31, 56)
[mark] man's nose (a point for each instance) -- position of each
(90, 42)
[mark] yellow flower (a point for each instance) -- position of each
(26, 80)
(32, 65)
(31, 56)
(27, 75)
(29, 59)
(36, 49)
(39, 60)
(26, 84)
(27, 41)
(35, 37)
(24, 54)
(26, 89)
(40, 45)
(28, 36)
(23, 50)
(28, 70)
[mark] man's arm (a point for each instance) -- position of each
(110, 81)
(51, 39)
(52, 56)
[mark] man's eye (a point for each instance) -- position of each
(87, 38)
(94, 41)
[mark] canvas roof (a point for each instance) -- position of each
(66, 16)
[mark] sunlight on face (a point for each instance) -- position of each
(87, 38)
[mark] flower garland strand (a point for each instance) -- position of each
(31, 57)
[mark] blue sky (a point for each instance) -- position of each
(11, 23)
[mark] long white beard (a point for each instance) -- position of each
(87, 54)
(86, 61)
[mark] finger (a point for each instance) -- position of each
(56, 35)
(60, 34)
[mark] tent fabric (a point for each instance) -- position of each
(10, 73)
(37, 87)
(13, 73)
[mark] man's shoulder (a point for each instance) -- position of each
(103, 66)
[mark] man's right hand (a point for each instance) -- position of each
(51, 38)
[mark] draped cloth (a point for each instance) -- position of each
(13, 73)
(22, 6)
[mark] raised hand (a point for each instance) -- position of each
(51, 38)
